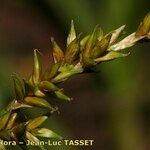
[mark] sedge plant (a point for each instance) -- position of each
(81, 55)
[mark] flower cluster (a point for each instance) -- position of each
(81, 54)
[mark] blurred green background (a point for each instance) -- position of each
(111, 107)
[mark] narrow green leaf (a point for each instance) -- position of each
(72, 34)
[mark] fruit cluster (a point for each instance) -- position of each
(80, 56)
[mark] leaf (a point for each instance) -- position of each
(110, 56)
(43, 132)
(57, 52)
(37, 69)
(4, 120)
(72, 34)
(34, 139)
(61, 95)
(144, 26)
(38, 102)
(115, 34)
(19, 87)
(36, 122)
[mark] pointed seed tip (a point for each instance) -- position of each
(37, 51)
(72, 22)
(52, 39)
